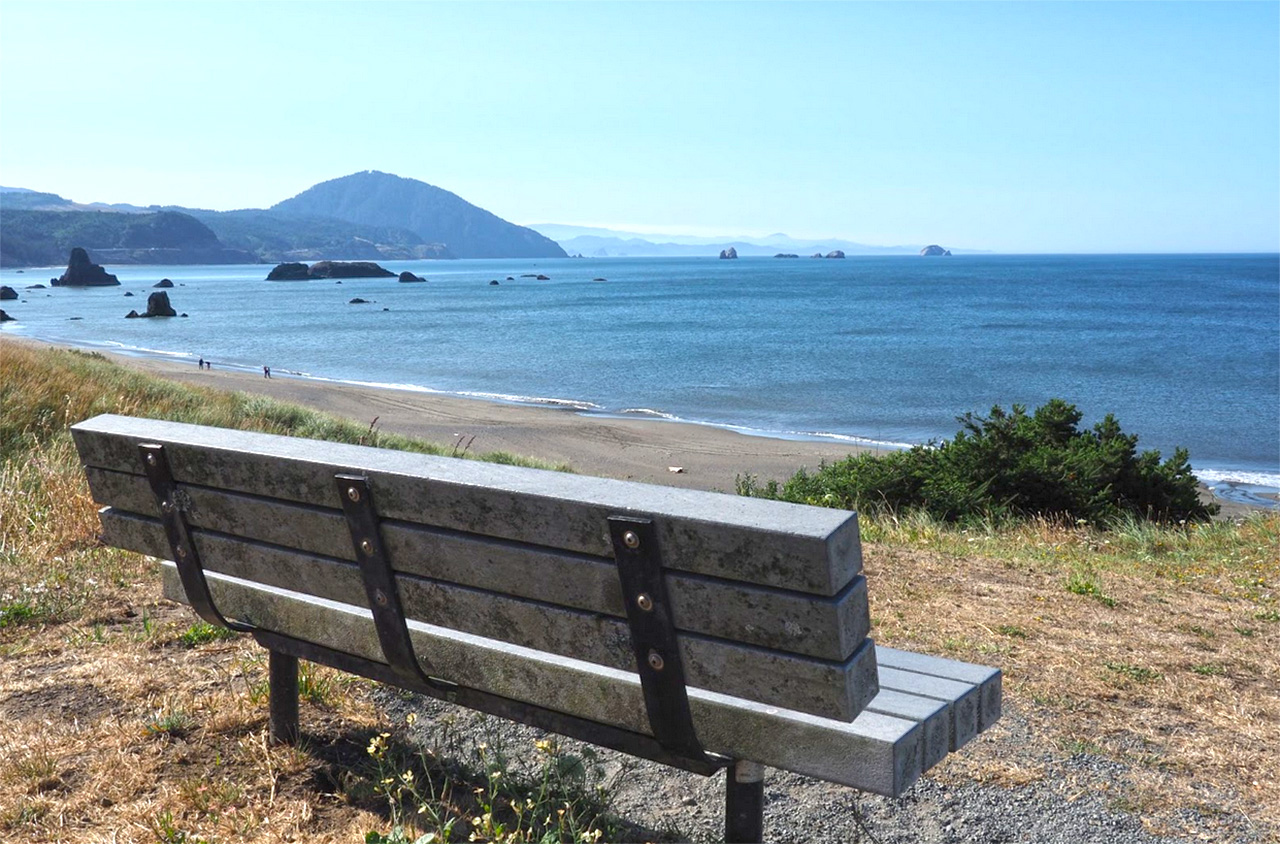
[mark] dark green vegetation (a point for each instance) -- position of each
(381, 199)
(1011, 464)
(363, 216)
(276, 237)
(45, 238)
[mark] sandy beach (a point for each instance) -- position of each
(630, 449)
(645, 450)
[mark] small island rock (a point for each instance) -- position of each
(164, 282)
(727, 254)
(358, 301)
(835, 253)
(934, 249)
(407, 277)
(7, 292)
(5, 317)
(81, 272)
(291, 271)
(34, 286)
(349, 269)
(493, 283)
(544, 277)
(786, 255)
(158, 305)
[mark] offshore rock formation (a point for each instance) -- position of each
(934, 249)
(157, 306)
(329, 269)
(730, 253)
(164, 282)
(5, 317)
(835, 254)
(81, 272)
(7, 292)
(407, 277)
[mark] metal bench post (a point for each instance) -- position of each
(744, 803)
(282, 674)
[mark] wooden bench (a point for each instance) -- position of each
(698, 629)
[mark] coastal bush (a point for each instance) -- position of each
(1012, 465)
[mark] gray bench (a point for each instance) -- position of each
(697, 629)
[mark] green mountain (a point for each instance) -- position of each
(45, 238)
(275, 237)
(381, 199)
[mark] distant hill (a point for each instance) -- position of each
(275, 237)
(372, 198)
(594, 242)
(45, 238)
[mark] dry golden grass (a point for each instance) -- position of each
(1177, 679)
(1157, 650)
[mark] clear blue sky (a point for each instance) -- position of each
(1073, 127)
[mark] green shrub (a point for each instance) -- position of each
(1015, 464)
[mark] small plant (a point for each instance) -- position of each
(314, 685)
(202, 633)
(1086, 583)
(170, 721)
(167, 832)
(16, 613)
(1012, 631)
(1272, 615)
(1209, 669)
(1134, 672)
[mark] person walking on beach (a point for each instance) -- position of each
(201, 364)
(266, 372)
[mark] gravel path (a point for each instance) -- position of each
(1066, 806)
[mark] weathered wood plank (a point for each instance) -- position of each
(734, 537)
(823, 627)
(987, 679)
(827, 688)
(961, 699)
(877, 753)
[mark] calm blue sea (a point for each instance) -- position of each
(1185, 350)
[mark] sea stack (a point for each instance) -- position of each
(728, 254)
(81, 272)
(158, 305)
(8, 292)
(934, 249)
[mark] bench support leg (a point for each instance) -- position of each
(282, 672)
(744, 803)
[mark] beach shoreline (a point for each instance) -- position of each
(640, 449)
(648, 450)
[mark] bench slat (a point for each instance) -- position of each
(987, 679)
(961, 699)
(787, 546)
(932, 715)
(831, 689)
(829, 628)
(877, 753)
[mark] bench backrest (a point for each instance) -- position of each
(767, 596)
(510, 581)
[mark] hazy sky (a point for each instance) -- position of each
(1075, 127)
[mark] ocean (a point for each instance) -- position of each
(1183, 349)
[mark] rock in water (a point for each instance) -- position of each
(164, 282)
(934, 249)
(729, 253)
(158, 305)
(358, 301)
(291, 271)
(348, 269)
(81, 272)
(7, 292)
(407, 277)
(5, 317)
(835, 254)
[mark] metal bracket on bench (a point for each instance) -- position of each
(653, 635)
(156, 464)
(379, 579)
